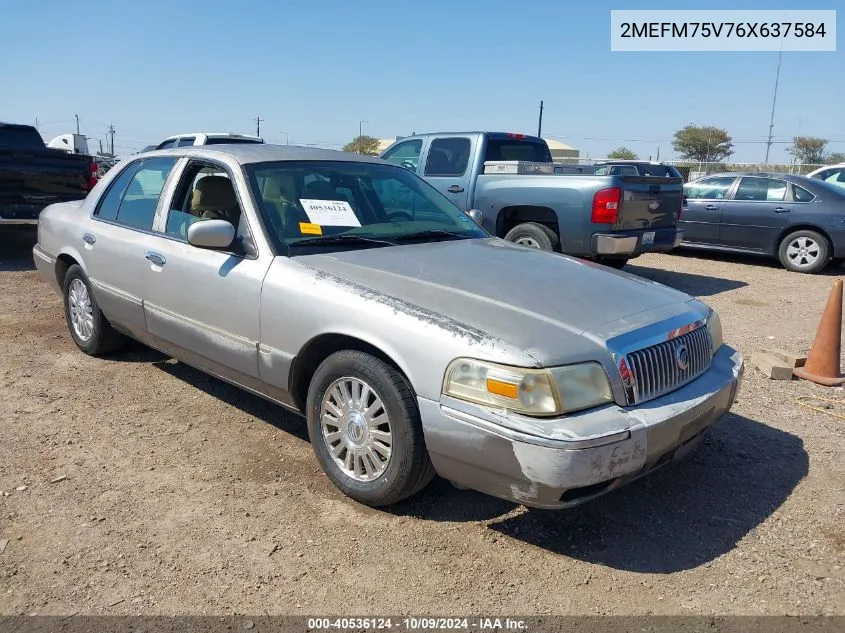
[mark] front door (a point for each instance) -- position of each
(703, 203)
(202, 303)
(755, 214)
(446, 167)
(115, 241)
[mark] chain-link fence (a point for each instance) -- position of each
(692, 170)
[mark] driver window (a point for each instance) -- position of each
(206, 192)
(405, 154)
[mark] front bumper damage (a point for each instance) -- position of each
(561, 462)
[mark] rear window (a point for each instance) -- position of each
(514, 149)
(21, 137)
(230, 141)
(659, 171)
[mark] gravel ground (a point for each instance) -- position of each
(137, 485)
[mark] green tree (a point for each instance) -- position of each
(362, 145)
(835, 158)
(623, 153)
(704, 144)
(808, 150)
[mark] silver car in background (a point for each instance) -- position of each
(351, 291)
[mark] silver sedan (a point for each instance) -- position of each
(349, 290)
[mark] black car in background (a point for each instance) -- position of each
(798, 220)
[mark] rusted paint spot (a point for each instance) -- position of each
(425, 315)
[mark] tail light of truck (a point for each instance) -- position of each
(94, 169)
(606, 206)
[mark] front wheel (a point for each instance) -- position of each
(534, 235)
(365, 429)
(804, 251)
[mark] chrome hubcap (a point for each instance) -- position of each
(80, 309)
(803, 252)
(530, 242)
(356, 429)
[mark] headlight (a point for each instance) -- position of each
(529, 391)
(714, 327)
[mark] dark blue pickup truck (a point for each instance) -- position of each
(524, 197)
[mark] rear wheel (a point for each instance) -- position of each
(365, 428)
(804, 251)
(90, 330)
(534, 235)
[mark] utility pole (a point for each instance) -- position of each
(258, 121)
(76, 116)
(361, 128)
(774, 101)
(36, 123)
(540, 123)
(111, 133)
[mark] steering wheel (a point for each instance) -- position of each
(407, 164)
(391, 215)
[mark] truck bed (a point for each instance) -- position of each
(32, 178)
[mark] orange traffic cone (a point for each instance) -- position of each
(822, 366)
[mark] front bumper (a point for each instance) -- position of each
(631, 243)
(562, 462)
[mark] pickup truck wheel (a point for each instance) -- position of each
(90, 330)
(804, 251)
(365, 429)
(534, 235)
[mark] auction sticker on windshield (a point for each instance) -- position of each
(310, 229)
(330, 212)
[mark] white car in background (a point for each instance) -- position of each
(834, 174)
(202, 138)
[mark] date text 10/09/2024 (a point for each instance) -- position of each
(417, 624)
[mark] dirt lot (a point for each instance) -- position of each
(183, 495)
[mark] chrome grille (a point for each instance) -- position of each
(659, 369)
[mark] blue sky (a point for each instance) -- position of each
(313, 70)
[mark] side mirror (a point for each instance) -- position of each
(475, 214)
(211, 234)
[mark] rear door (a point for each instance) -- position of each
(755, 213)
(116, 240)
(447, 164)
(703, 202)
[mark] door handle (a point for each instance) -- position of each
(781, 210)
(711, 207)
(88, 238)
(455, 189)
(156, 259)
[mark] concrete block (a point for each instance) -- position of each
(786, 357)
(771, 365)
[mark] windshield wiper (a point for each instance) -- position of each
(343, 238)
(429, 233)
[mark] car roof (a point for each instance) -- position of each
(760, 174)
(213, 135)
(517, 135)
(249, 153)
(631, 161)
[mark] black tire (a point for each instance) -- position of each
(103, 338)
(614, 262)
(408, 469)
(534, 235)
(815, 242)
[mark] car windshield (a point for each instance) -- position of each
(309, 204)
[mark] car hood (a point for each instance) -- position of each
(529, 298)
